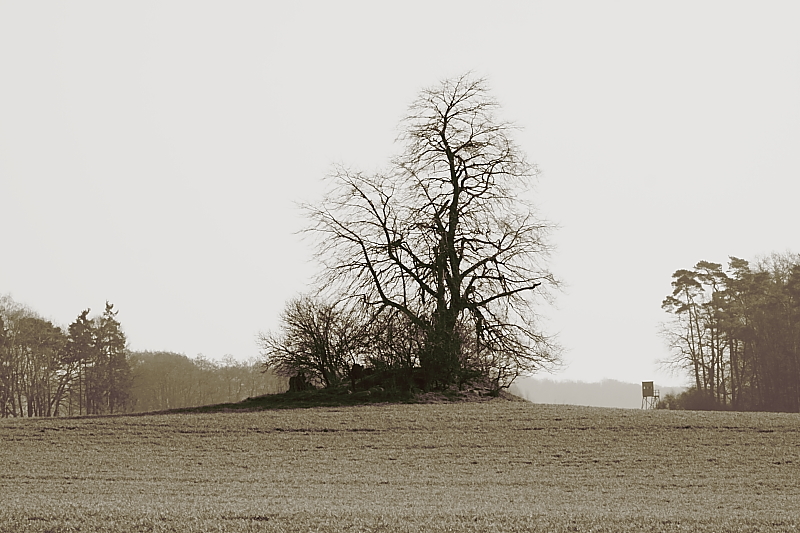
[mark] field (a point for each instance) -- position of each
(482, 466)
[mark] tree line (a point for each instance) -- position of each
(87, 369)
(736, 333)
(45, 371)
(168, 380)
(431, 268)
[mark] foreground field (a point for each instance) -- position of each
(494, 466)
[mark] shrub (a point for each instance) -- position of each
(691, 400)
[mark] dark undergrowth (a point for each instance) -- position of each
(341, 397)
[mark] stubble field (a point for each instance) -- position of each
(484, 466)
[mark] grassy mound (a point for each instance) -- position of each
(340, 397)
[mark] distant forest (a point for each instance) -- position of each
(736, 333)
(166, 380)
(88, 369)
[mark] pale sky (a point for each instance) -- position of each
(153, 153)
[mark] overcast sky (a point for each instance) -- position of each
(153, 153)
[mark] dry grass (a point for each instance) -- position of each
(491, 466)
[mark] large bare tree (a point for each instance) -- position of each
(446, 238)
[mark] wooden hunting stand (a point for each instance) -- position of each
(649, 395)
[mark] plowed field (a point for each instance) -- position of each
(493, 466)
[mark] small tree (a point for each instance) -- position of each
(395, 345)
(318, 340)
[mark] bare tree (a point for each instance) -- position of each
(318, 340)
(445, 237)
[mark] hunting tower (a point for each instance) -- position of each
(650, 396)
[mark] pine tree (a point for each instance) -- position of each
(81, 352)
(113, 371)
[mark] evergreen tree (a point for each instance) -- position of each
(112, 376)
(80, 350)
